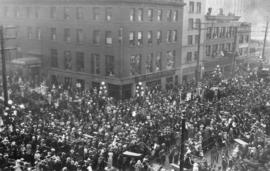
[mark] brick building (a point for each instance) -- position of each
(121, 42)
(194, 12)
(226, 41)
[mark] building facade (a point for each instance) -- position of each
(194, 12)
(120, 42)
(227, 41)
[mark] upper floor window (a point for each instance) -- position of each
(79, 35)
(215, 50)
(37, 12)
(95, 63)
(159, 15)
(67, 35)
(108, 13)
(79, 13)
(17, 12)
(149, 63)
(247, 38)
(132, 14)
(189, 57)
(150, 37)
(199, 7)
(109, 65)
(241, 39)
(158, 61)
(159, 37)
(175, 15)
(29, 33)
(135, 64)
(38, 33)
(96, 37)
(53, 33)
(150, 14)
(190, 39)
(79, 61)
(208, 50)
(54, 58)
(140, 38)
(108, 37)
(196, 39)
(197, 23)
(191, 7)
(169, 15)
(209, 33)
(140, 14)
(170, 59)
(190, 23)
(96, 13)
(169, 36)
(66, 13)
(28, 12)
(174, 35)
(131, 38)
(67, 60)
(53, 12)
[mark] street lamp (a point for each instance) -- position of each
(103, 89)
(139, 90)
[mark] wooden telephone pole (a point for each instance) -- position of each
(265, 39)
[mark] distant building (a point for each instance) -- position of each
(227, 40)
(194, 12)
(121, 42)
(236, 7)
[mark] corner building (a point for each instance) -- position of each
(120, 42)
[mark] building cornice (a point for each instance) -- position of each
(178, 3)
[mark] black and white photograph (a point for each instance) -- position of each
(134, 85)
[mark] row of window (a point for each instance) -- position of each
(220, 32)
(192, 7)
(136, 38)
(80, 62)
(157, 15)
(218, 49)
(98, 13)
(153, 62)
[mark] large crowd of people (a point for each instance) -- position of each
(69, 130)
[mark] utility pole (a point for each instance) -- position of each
(182, 150)
(4, 76)
(265, 39)
(234, 50)
(198, 55)
(3, 49)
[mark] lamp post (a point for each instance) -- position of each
(103, 89)
(139, 90)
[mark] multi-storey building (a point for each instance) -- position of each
(121, 42)
(227, 41)
(194, 13)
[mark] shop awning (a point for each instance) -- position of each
(27, 61)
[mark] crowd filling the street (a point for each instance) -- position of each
(59, 129)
